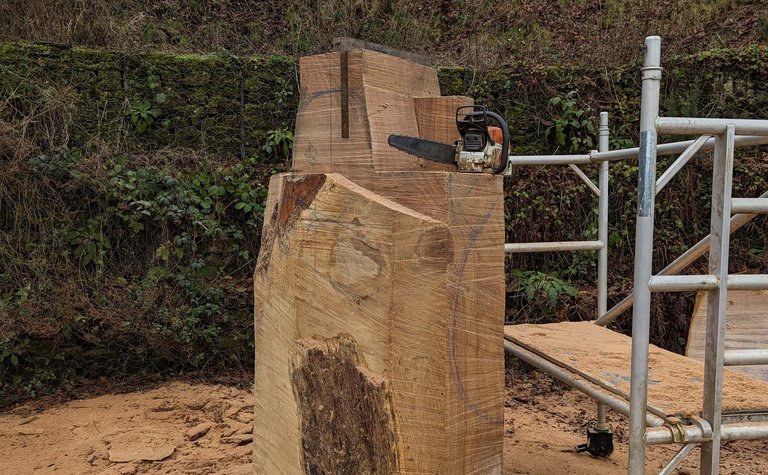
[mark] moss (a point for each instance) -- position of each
(199, 87)
(451, 79)
(221, 104)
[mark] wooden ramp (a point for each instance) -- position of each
(602, 356)
(746, 327)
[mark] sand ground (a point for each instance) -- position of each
(183, 427)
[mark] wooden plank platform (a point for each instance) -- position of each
(746, 327)
(675, 384)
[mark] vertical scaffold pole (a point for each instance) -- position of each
(602, 218)
(602, 235)
(649, 112)
(717, 299)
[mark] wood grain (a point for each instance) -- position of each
(436, 117)
(318, 146)
(382, 98)
(472, 207)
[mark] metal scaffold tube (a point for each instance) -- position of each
(673, 148)
(699, 125)
(595, 189)
(556, 246)
(602, 218)
(683, 283)
(750, 205)
(677, 459)
(699, 249)
(649, 111)
(717, 300)
(626, 153)
(681, 161)
(695, 434)
(618, 405)
(746, 357)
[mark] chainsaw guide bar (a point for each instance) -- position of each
(426, 149)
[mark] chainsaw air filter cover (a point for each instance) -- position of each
(474, 141)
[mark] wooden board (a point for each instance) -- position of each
(746, 327)
(674, 383)
(378, 327)
(382, 99)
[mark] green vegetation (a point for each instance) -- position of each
(133, 189)
(216, 104)
(479, 33)
(115, 265)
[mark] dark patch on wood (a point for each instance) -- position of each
(267, 241)
(346, 411)
(298, 194)
(435, 247)
(344, 77)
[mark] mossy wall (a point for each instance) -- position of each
(133, 186)
(216, 103)
(226, 104)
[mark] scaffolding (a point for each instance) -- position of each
(649, 424)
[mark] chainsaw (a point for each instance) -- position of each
(482, 148)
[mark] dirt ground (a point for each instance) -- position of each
(183, 427)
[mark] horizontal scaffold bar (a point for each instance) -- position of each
(746, 357)
(675, 147)
(625, 154)
(698, 125)
(556, 246)
(684, 283)
(694, 433)
(749, 205)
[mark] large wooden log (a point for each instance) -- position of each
(378, 328)
(379, 293)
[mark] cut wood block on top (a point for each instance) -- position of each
(436, 117)
(385, 95)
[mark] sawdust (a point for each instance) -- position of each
(544, 422)
(176, 428)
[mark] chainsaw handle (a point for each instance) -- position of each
(504, 143)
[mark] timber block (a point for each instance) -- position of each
(379, 318)
(384, 95)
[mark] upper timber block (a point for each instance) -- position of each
(350, 104)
